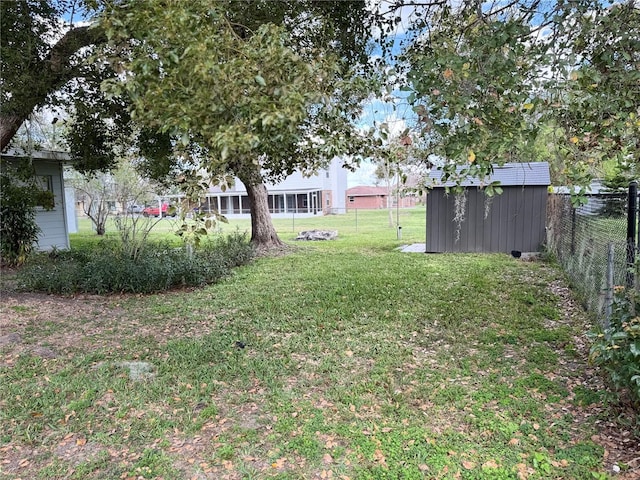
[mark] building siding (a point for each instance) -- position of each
(323, 191)
(366, 202)
(515, 221)
(52, 223)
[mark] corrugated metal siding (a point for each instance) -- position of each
(515, 221)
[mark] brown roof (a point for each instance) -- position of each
(367, 191)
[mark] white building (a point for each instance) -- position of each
(54, 223)
(318, 194)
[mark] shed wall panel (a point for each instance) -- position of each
(515, 220)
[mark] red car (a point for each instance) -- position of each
(167, 211)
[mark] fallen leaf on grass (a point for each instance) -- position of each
(380, 458)
(490, 464)
(522, 471)
(330, 443)
(468, 465)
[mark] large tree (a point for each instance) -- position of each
(484, 77)
(41, 54)
(255, 103)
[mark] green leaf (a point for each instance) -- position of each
(619, 336)
(260, 81)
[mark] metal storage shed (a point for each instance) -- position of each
(515, 220)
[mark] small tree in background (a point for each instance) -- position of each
(391, 159)
(121, 187)
(95, 191)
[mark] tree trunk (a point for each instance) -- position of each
(9, 125)
(389, 202)
(263, 234)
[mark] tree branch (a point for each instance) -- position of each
(45, 77)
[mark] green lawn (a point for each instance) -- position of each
(359, 362)
(354, 226)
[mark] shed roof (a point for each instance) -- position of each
(37, 154)
(509, 174)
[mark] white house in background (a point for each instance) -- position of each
(322, 193)
(54, 224)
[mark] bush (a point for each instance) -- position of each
(19, 196)
(617, 349)
(106, 268)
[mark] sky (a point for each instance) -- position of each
(364, 175)
(391, 108)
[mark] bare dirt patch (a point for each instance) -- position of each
(53, 326)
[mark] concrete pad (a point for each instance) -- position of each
(414, 248)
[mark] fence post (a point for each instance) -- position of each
(632, 213)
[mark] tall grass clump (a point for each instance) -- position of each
(109, 268)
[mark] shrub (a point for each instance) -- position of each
(19, 195)
(617, 349)
(233, 248)
(108, 268)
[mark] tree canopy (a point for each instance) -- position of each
(251, 90)
(483, 78)
(246, 112)
(257, 104)
(41, 54)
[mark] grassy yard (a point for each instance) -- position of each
(343, 360)
(355, 226)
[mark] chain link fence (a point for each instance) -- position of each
(590, 242)
(405, 223)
